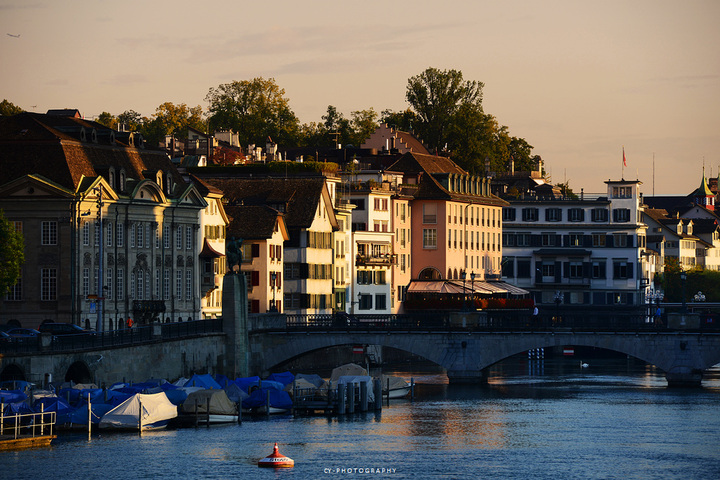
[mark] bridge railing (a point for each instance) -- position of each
(487, 320)
(138, 334)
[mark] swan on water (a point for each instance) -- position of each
(583, 365)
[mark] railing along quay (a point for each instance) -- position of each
(137, 335)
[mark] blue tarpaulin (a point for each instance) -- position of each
(286, 378)
(258, 398)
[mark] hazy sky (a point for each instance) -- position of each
(577, 79)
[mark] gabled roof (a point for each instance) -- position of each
(432, 164)
(51, 146)
(254, 222)
(298, 196)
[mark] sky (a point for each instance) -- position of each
(579, 80)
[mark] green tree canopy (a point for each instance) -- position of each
(12, 254)
(437, 97)
(8, 108)
(172, 119)
(255, 109)
(108, 119)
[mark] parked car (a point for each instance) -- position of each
(64, 329)
(19, 332)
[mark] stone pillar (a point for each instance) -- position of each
(235, 325)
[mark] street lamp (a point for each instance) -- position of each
(472, 292)
(683, 279)
(699, 297)
(558, 300)
(273, 277)
(463, 275)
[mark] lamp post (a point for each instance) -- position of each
(472, 290)
(558, 300)
(463, 275)
(273, 277)
(683, 279)
(699, 297)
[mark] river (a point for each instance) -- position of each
(536, 419)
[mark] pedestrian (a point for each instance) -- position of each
(129, 322)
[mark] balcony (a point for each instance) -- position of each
(376, 260)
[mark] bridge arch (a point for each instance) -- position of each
(466, 355)
(12, 372)
(78, 372)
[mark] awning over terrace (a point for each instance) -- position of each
(467, 287)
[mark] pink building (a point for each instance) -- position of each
(456, 223)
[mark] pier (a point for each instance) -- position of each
(26, 430)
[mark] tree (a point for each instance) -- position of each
(403, 121)
(12, 254)
(129, 120)
(7, 108)
(337, 127)
(363, 123)
(171, 119)
(436, 98)
(108, 119)
(255, 109)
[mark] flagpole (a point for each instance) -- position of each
(622, 176)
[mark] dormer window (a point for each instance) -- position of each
(168, 183)
(159, 179)
(123, 180)
(111, 178)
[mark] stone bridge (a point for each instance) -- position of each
(466, 355)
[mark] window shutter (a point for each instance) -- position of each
(255, 306)
(255, 276)
(558, 272)
(255, 250)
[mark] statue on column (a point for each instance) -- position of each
(233, 253)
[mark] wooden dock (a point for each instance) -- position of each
(27, 430)
(341, 400)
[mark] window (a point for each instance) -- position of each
(548, 239)
(620, 239)
(622, 269)
(553, 215)
(86, 234)
(530, 214)
(365, 302)
(120, 290)
(166, 284)
(575, 240)
(178, 284)
(575, 269)
(86, 282)
(380, 278)
(140, 231)
(188, 237)
(359, 205)
(429, 213)
(523, 240)
(188, 284)
(14, 293)
(109, 235)
(599, 215)
(622, 192)
(598, 269)
(178, 237)
(508, 214)
(48, 282)
(166, 236)
(523, 268)
(576, 215)
(364, 277)
(598, 239)
(429, 238)
(380, 301)
(621, 215)
(548, 269)
(49, 233)
(508, 239)
(120, 232)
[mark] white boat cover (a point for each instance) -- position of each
(395, 383)
(357, 380)
(220, 404)
(347, 369)
(155, 408)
